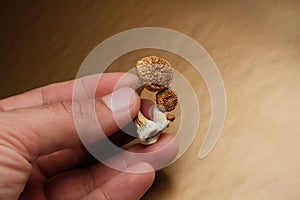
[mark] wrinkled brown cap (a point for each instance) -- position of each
(167, 98)
(155, 73)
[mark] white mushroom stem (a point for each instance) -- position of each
(148, 130)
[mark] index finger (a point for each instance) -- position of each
(62, 91)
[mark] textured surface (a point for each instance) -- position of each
(167, 98)
(154, 72)
(256, 45)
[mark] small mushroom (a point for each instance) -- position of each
(167, 99)
(155, 74)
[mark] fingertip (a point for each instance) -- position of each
(143, 175)
(159, 155)
(126, 80)
(126, 185)
(147, 107)
(137, 105)
(141, 167)
(166, 142)
(140, 177)
(167, 139)
(123, 99)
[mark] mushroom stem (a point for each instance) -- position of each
(148, 130)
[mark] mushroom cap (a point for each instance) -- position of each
(167, 98)
(155, 73)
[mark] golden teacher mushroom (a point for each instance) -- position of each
(155, 74)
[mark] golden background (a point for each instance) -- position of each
(256, 46)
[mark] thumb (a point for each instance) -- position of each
(41, 130)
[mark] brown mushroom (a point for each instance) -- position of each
(155, 74)
(167, 98)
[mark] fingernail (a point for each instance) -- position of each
(141, 167)
(128, 80)
(120, 100)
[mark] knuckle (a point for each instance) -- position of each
(83, 110)
(65, 107)
(60, 111)
(44, 97)
(13, 135)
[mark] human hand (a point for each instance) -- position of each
(42, 156)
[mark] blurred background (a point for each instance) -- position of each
(255, 44)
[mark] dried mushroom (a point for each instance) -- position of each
(155, 74)
(167, 98)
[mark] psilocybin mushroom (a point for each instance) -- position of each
(155, 74)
